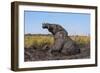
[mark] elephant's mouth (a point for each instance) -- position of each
(48, 26)
(45, 25)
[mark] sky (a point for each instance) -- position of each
(74, 23)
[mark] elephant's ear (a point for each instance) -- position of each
(59, 28)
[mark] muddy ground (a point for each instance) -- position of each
(34, 54)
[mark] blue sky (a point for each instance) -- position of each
(74, 23)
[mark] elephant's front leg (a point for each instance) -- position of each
(57, 47)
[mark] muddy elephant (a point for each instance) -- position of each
(62, 42)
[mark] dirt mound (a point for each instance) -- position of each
(33, 54)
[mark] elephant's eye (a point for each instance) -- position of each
(50, 28)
